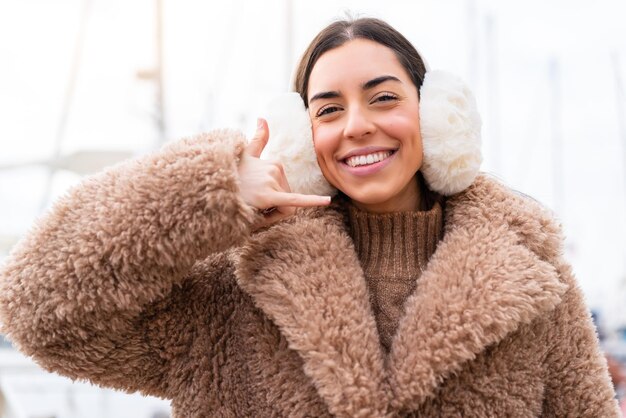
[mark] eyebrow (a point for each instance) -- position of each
(378, 80)
(365, 86)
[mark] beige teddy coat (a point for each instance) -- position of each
(147, 278)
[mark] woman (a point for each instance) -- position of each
(172, 276)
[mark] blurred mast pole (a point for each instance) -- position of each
(473, 43)
(288, 41)
(554, 75)
(620, 97)
(154, 74)
(68, 98)
(160, 111)
(621, 112)
(494, 93)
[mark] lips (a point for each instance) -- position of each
(360, 160)
(360, 165)
(366, 150)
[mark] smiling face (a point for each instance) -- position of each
(365, 115)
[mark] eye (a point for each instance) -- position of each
(385, 97)
(327, 110)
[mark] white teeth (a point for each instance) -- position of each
(375, 157)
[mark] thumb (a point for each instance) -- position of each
(258, 142)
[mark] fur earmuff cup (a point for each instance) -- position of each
(291, 144)
(450, 126)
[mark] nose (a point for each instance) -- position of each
(358, 123)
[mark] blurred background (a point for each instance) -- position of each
(87, 83)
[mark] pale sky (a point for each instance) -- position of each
(545, 74)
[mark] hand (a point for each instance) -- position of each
(263, 184)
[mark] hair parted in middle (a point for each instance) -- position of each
(338, 33)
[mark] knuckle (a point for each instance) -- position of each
(260, 198)
(274, 170)
(279, 167)
(274, 185)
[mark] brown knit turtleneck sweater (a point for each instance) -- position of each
(393, 249)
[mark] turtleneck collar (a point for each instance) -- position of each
(393, 249)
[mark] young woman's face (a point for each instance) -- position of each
(365, 115)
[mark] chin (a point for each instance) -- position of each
(384, 194)
(368, 197)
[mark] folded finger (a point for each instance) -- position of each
(283, 182)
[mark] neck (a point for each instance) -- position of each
(408, 200)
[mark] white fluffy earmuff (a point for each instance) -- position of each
(291, 144)
(450, 127)
(450, 130)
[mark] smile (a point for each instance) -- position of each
(368, 164)
(360, 160)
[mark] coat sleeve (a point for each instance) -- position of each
(577, 383)
(98, 288)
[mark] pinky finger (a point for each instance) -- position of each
(300, 200)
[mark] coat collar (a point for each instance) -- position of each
(490, 273)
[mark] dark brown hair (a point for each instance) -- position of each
(342, 31)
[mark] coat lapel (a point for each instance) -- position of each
(481, 284)
(489, 274)
(304, 274)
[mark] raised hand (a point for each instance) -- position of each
(263, 184)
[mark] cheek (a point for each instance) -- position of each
(324, 143)
(407, 130)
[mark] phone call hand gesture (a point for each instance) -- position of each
(263, 184)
